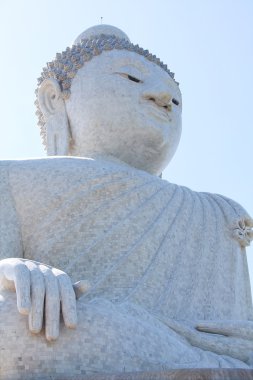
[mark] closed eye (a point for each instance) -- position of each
(130, 77)
(175, 101)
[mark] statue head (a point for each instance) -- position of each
(108, 97)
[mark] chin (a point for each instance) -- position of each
(160, 159)
(148, 157)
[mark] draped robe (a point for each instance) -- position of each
(139, 240)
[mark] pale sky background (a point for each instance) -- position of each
(207, 43)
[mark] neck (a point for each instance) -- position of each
(108, 159)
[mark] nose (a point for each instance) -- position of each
(160, 96)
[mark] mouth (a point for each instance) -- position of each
(159, 112)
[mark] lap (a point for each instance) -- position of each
(108, 338)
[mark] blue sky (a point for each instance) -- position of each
(207, 43)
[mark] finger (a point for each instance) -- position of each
(213, 328)
(37, 298)
(52, 305)
(241, 329)
(22, 285)
(68, 300)
(231, 346)
(6, 275)
(80, 288)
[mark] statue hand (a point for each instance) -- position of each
(35, 282)
(232, 338)
(237, 333)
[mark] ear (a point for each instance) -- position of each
(53, 108)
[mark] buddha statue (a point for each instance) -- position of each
(159, 271)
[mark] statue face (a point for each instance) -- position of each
(125, 106)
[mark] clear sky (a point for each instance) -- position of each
(207, 43)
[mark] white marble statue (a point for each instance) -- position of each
(163, 269)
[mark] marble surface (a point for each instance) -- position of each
(163, 270)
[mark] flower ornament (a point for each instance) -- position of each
(243, 232)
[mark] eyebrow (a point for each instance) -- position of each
(144, 69)
(136, 65)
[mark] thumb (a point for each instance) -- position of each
(81, 287)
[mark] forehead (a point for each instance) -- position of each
(113, 61)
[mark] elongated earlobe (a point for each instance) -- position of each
(57, 125)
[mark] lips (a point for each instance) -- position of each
(159, 112)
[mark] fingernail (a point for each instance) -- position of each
(24, 310)
(52, 332)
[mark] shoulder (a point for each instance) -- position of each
(47, 164)
(39, 172)
(238, 220)
(235, 219)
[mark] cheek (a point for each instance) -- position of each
(176, 130)
(115, 104)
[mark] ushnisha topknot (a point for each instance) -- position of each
(66, 64)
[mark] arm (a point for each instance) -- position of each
(33, 282)
(10, 231)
